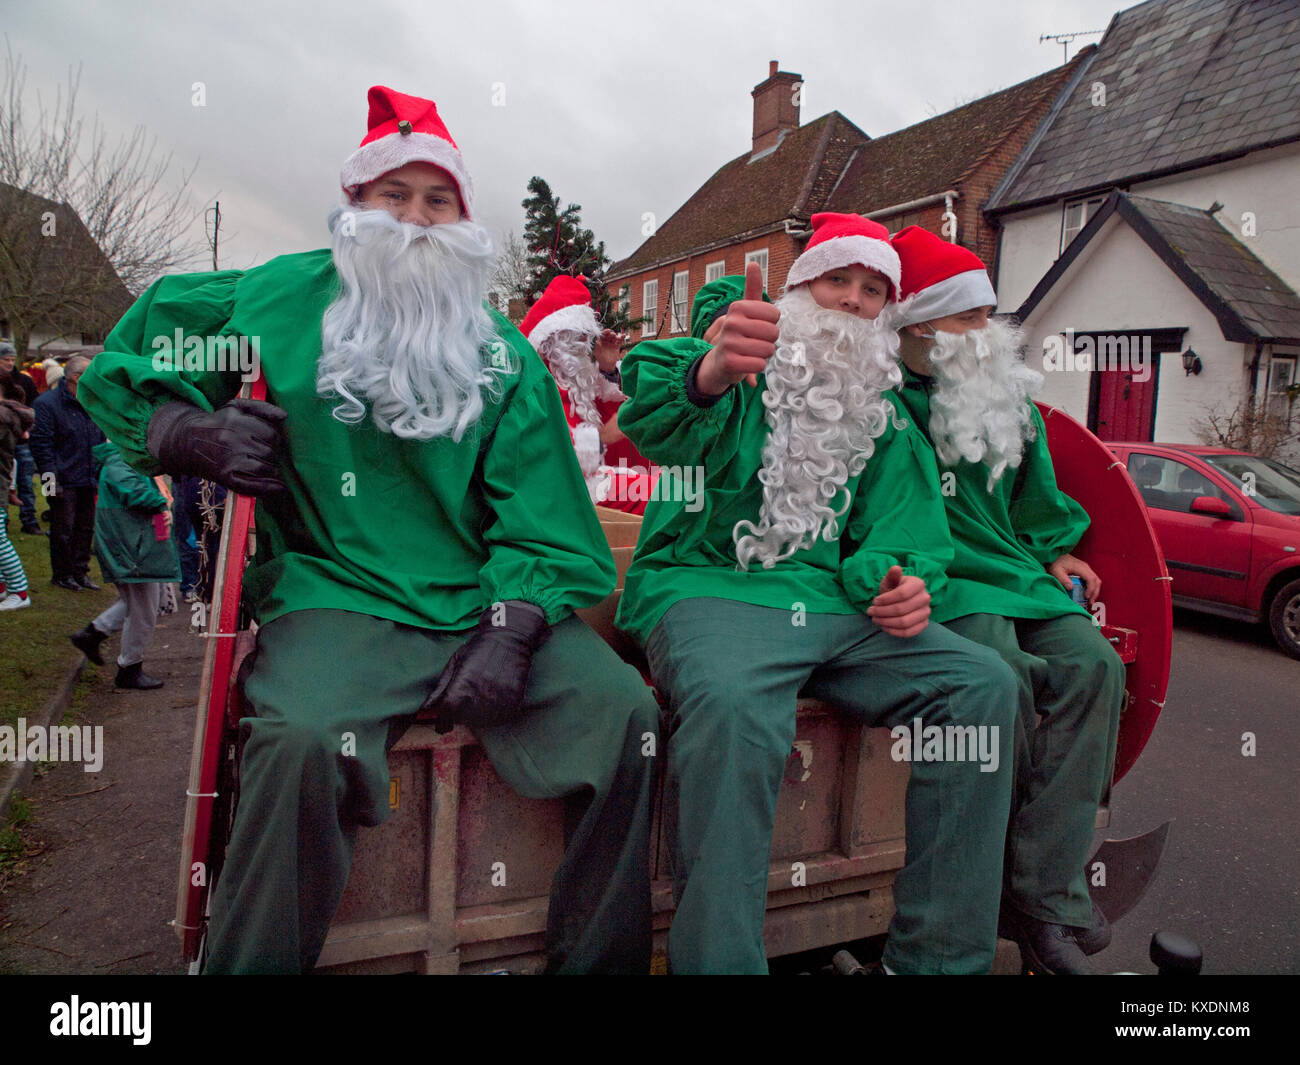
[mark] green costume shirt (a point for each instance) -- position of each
(1004, 539)
(427, 533)
(685, 548)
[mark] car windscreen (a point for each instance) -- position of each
(1268, 483)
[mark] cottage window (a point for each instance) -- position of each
(1281, 376)
(714, 271)
(759, 257)
(649, 307)
(1077, 213)
(679, 318)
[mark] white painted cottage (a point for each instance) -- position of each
(1151, 228)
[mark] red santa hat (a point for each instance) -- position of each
(405, 129)
(939, 278)
(841, 240)
(566, 304)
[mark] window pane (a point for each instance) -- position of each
(649, 307)
(679, 302)
(1170, 485)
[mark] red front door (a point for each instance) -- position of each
(1126, 404)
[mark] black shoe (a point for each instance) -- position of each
(135, 677)
(65, 582)
(32, 529)
(1049, 949)
(1096, 937)
(85, 582)
(88, 641)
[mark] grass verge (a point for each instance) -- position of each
(35, 651)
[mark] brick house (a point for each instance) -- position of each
(759, 205)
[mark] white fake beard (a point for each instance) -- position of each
(408, 334)
(825, 408)
(568, 356)
(980, 401)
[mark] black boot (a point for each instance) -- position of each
(88, 642)
(135, 677)
(1049, 949)
(1096, 937)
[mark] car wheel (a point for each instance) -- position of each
(1284, 618)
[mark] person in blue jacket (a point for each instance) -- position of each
(62, 441)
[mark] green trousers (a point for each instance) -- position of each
(321, 673)
(732, 673)
(1071, 688)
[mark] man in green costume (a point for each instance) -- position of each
(1009, 586)
(424, 535)
(806, 569)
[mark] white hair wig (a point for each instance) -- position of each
(824, 394)
(408, 335)
(980, 407)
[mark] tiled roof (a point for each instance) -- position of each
(831, 165)
(935, 155)
(1249, 301)
(67, 261)
(1185, 82)
(1264, 305)
(747, 195)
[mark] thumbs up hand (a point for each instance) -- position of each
(746, 340)
(902, 606)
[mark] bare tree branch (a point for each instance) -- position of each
(72, 189)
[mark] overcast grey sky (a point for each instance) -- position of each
(624, 108)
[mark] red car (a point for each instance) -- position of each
(1229, 525)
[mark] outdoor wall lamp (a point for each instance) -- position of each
(1191, 362)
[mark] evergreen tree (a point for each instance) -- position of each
(558, 244)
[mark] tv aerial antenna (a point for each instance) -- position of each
(1064, 39)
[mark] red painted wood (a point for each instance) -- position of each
(1122, 547)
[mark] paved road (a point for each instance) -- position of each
(1231, 874)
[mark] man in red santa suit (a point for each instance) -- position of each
(563, 327)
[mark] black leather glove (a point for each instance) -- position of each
(234, 445)
(485, 680)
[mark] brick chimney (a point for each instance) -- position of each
(776, 107)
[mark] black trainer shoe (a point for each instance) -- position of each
(65, 582)
(135, 677)
(32, 529)
(85, 582)
(88, 642)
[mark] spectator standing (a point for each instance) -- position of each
(16, 385)
(133, 542)
(15, 419)
(62, 441)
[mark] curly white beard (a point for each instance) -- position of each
(408, 333)
(980, 402)
(825, 408)
(568, 356)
